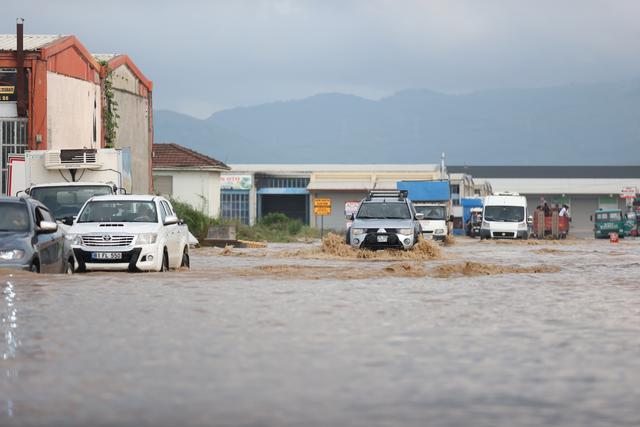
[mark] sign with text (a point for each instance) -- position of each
(235, 182)
(351, 207)
(322, 207)
(8, 78)
(628, 193)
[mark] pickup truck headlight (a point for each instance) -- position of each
(405, 231)
(74, 239)
(11, 255)
(357, 231)
(146, 238)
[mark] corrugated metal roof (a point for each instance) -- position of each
(561, 172)
(31, 41)
(104, 56)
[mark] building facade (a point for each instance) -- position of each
(188, 176)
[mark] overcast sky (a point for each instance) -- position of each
(205, 56)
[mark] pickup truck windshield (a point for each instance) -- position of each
(504, 213)
(384, 210)
(432, 212)
(119, 211)
(67, 201)
(14, 217)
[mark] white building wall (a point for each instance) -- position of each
(200, 189)
(73, 106)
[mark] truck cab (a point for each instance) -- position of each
(607, 221)
(65, 199)
(435, 222)
(432, 199)
(504, 216)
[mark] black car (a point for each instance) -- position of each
(30, 239)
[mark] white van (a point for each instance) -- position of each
(504, 217)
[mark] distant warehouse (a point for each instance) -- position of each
(583, 188)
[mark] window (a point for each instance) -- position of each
(163, 185)
(13, 140)
(119, 211)
(235, 205)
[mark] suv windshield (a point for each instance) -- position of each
(67, 200)
(14, 217)
(431, 212)
(384, 210)
(119, 211)
(504, 213)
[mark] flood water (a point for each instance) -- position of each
(235, 343)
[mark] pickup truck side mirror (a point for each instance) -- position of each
(350, 217)
(170, 220)
(47, 227)
(419, 216)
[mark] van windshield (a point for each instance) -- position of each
(504, 213)
(67, 201)
(384, 210)
(119, 211)
(609, 216)
(432, 212)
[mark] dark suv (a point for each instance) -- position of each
(30, 239)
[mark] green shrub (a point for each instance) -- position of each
(198, 222)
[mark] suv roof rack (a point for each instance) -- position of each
(388, 194)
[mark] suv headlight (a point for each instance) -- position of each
(357, 231)
(405, 231)
(11, 255)
(74, 239)
(146, 238)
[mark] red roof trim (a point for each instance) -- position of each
(177, 156)
(57, 46)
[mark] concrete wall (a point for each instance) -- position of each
(335, 221)
(133, 131)
(200, 189)
(133, 126)
(72, 107)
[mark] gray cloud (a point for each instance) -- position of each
(209, 55)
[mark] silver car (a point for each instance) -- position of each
(385, 219)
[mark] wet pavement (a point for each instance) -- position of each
(252, 338)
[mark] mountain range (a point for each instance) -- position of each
(581, 124)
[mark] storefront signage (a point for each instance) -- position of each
(236, 182)
(628, 193)
(8, 85)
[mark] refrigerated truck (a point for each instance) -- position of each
(63, 180)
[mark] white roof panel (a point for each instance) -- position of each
(31, 41)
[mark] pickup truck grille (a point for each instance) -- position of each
(106, 240)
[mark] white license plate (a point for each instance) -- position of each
(106, 255)
(383, 239)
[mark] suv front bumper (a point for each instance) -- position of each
(382, 241)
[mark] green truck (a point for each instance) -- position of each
(610, 221)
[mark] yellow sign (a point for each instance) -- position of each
(7, 89)
(322, 203)
(322, 210)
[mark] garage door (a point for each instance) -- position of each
(582, 209)
(293, 206)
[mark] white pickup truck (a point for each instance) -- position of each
(129, 232)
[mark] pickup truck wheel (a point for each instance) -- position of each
(165, 262)
(35, 267)
(70, 268)
(185, 259)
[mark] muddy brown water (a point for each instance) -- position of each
(509, 335)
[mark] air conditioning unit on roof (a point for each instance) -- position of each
(72, 159)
